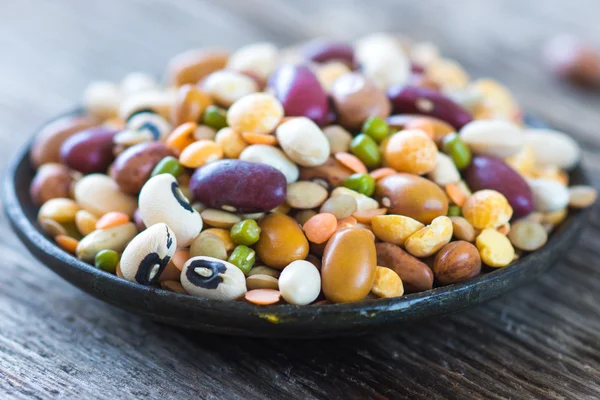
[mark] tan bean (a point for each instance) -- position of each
(462, 229)
(259, 281)
(219, 218)
(581, 196)
(527, 235)
(305, 195)
(341, 206)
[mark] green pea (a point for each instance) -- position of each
(168, 165)
(243, 257)
(361, 183)
(246, 232)
(376, 128)
(454, 211)
(215, 117)
(457, 150)
(107, 260)
(367, 151)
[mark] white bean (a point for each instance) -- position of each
(445, 171)
(226, 87)
(258, 58)
(99, 194)
(300, 283)
(383, 60)
(303, 142)
(265, 154)
(494, 138)
(549, 195)
(552, 147)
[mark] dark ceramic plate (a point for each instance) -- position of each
(237, 318)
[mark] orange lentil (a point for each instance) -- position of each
(320, 227)
(352, 162)
(381, 173)
(259, 138)
(365, 216)
(423, 125)
(181, 137)
(180, 258)
(456, 193)
(67, 243)
(112, 219)
(263, 297)
(200, 153)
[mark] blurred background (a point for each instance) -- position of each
(52, 49)
(56, 341)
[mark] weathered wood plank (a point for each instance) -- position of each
(55, 342)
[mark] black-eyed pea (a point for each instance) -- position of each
(158, 102)
(115, 238)
(161, 201)
(394, 228)
(99, 194)
(300, 283)
(219, 218)
(428, 240)
(231, 141)
(61, 210)
(582, 196)
(85, 222)
(494, 248)
(146, 257)
(150, 123)
(339, 139)
(304, 215)
(209, 245)
(387, 283)
(101, 99)
(305, 195)
(259, 281)
(270, 155)
(527, 235)
(226, 86)
(212, 278)
(341, 206)
(462, 229)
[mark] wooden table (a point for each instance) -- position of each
(540, 341)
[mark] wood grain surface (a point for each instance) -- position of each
(540, 341)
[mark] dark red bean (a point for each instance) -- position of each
(426, 101)
(300, 93)
(245, 186)
(89, 151)
(493, 173)
(323, 50)
(133, 167)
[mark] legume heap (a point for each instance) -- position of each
(322, 173)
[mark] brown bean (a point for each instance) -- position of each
(46, 148)
(349, 264)
(462, 229)
(357, 98)
(456, 262)
(51, 181)
(133, 167)
(415, 274)
(332, 173)
(281, 241)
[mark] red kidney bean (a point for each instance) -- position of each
(245, 186)
(300, 93)
(133, 167)
(492, 173)
(323, 50)
(89, 151)
(426, 101)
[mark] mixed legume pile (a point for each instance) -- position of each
(324, 173)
